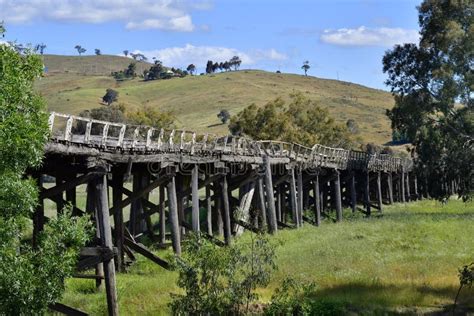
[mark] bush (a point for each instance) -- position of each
(297, 298)
(221, 281)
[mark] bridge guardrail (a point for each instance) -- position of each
(91, 132)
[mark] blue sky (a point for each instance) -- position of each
(343, 39)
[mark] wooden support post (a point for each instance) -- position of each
(367, 193)
(117, 179)
(38, 216)
(209, 211)
(379, 190)
(272, 219)
(226, 211)
(245, 203)
(390, 187)
(337, 196)
(408, 186)
(71, 193)
(195, 199)
(218, 207)
(59, 199)
(293, 199)
(415, 182)
(279, 203)
(180, 202)
(300, 197)
(92, 210)
(353, 192)
(402, 186)
(162, 215)
(317, 201)
(261, 204)
(173, 215)
(102, 207)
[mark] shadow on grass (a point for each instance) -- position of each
(363, 297)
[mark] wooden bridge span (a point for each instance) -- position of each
(214, 185)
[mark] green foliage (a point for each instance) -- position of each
(301, 121)
(110, 96)
(152, 117)
(30, 279)
(222, 281)
(432, 83)
(224, 116)
(297, 298)
(129, 73)
(305, 67)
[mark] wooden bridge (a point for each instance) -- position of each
(205, 183)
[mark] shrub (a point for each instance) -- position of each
(221, 281)
(297, 298)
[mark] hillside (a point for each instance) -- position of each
(102, 65)
(196, 100)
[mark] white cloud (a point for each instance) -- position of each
(199, 55)
(182, 23)
(170, 15)
(364, 36)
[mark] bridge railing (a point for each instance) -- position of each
(75, 129)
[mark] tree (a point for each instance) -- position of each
(305, 67)
(131, 71)
(235, 62)
(31, 278)
(151, 117)
(110, 96)
(125, 53)
(191, 68)
(40, 48)
(209, 66)
(226, 66)
(155, 71)
(432, 84)
(301, 121)
(352, 126)
(80, 49)
(224, 116)
(138, 57)
(97, 52)
(104, 113)
(215, 66)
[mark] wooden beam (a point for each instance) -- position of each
(102, 206)
(173, 212)
(293, 199)
(272, 218)
(117, 178)
(337, 196)
(226, 211)
(195, 199)
(300, 197)
(379, 190)
(137, 195)
(141, 249)
(66, 310)
(61, 187)
(317, 201)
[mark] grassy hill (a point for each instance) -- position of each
(195, 100)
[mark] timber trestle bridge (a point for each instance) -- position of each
(143, 182)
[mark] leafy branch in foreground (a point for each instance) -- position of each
(222, 281)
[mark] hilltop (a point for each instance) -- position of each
(69, 87)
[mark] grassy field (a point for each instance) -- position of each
(69, 87)
(405, 261)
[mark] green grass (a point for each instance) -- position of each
(406, 258)
(70, 87)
